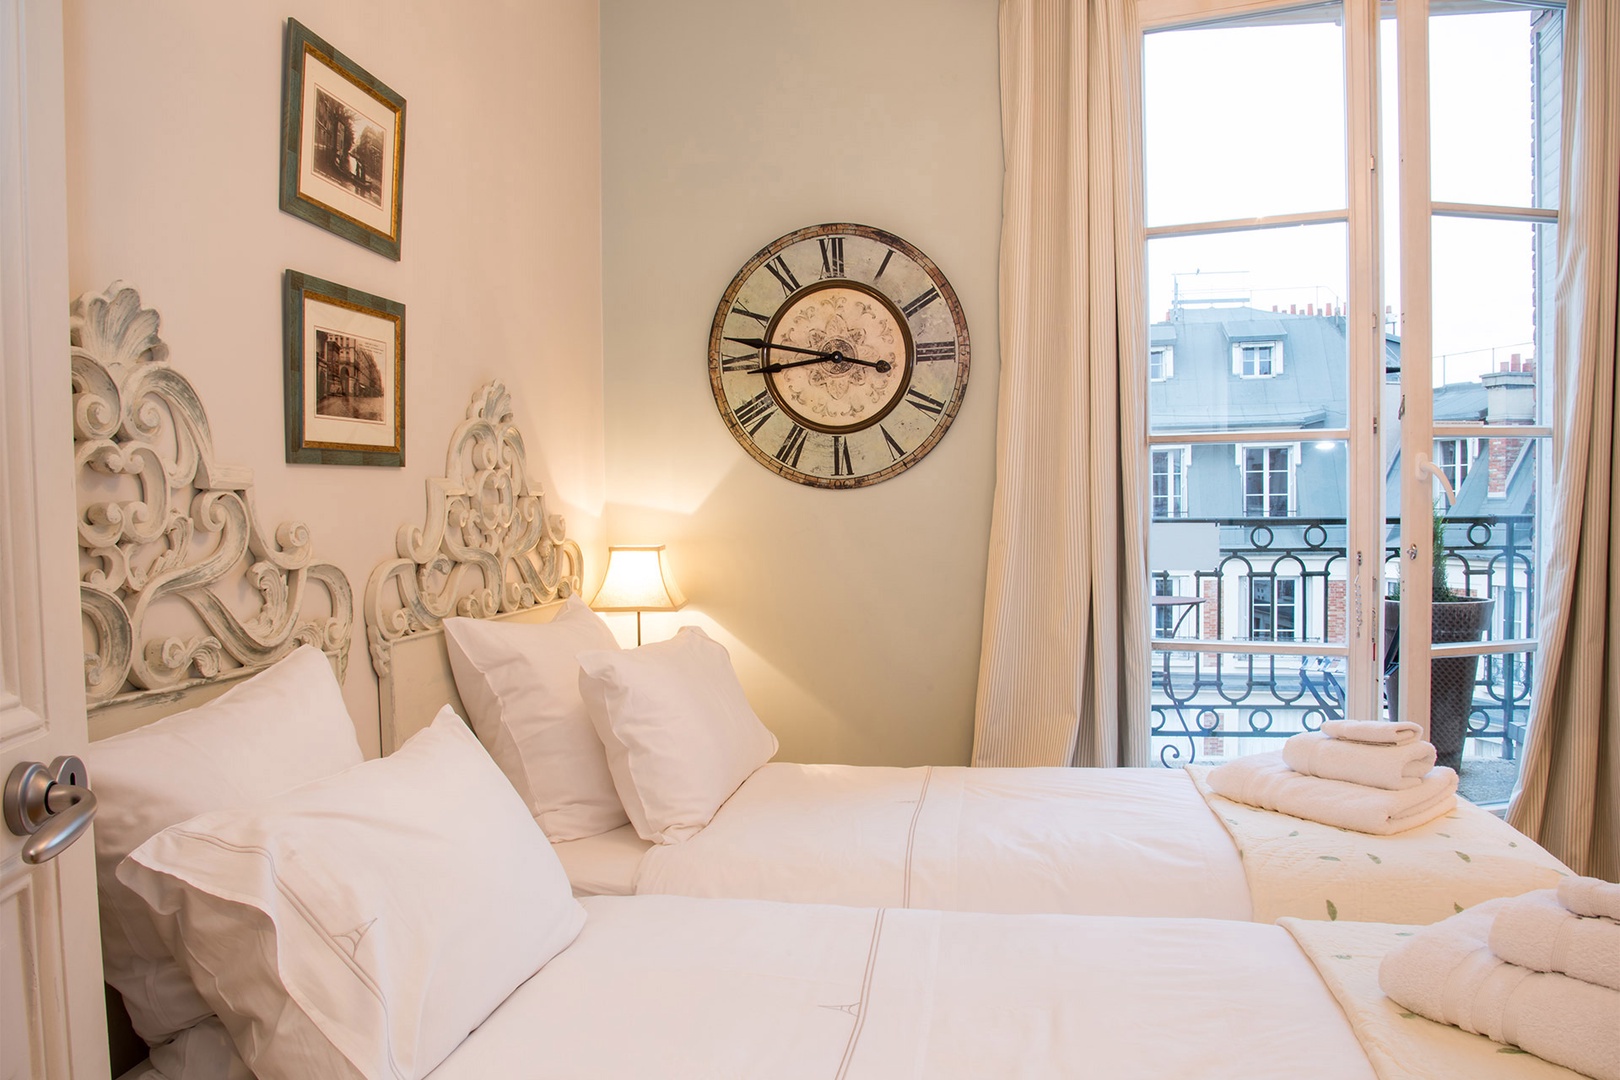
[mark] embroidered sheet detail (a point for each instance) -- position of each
(911, 835)
(866, 991)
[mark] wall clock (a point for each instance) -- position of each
(838, 356)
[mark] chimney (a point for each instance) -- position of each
(1292, 310)
(1510, 394)
(1310, 309)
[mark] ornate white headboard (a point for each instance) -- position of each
(487, 550)
(182, 591)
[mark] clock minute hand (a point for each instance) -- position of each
(820, 357)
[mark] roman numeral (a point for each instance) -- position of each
(745, 362)
(921, 302)
(935, 350)
(792, 447)
(840, 456)
(896, 451)
(784, 276)
(931, 406)
(832, 256)
(756, 411)
(887, 255)
(738, 309)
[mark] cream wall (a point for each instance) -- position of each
(853, 616)
(174, 111)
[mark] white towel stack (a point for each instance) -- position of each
(1529, 971)
(1266, 781)
(1389, 766)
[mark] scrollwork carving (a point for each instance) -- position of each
(486, 544)
(163, 525)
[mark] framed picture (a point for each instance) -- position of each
(342, 145)
(345, 375)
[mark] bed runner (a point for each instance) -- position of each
(1403, 1045)
(1308, 870)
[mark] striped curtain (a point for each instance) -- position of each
(1569, 795)
(1064, 674)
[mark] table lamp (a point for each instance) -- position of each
(638, 580)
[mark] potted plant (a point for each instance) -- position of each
(1454, 617)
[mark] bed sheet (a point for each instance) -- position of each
(1077, 841)
(603, 865)
(676, 987)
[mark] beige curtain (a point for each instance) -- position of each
(1569, 798)
(1063, 675)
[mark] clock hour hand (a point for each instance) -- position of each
(819, 356)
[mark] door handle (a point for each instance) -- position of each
(51, 805)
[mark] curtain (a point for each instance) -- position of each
(1569, 795)
(1064, 673)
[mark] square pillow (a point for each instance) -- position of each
(520, 684)
(364, 924)
(281, 728)
(679, 733)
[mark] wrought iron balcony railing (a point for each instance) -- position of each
(1283, 579)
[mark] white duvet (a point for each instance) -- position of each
(1083, 841)
(671, 987)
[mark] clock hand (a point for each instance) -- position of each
(820, 357)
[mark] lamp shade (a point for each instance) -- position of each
(637, 579)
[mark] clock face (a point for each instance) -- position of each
(838, 356)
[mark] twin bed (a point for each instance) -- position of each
(980, 927)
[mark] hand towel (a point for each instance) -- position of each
(1538, 932)
(1380, 765)
(1263, 780)
(1590, 896)
(1448, 973)
(1372, 731)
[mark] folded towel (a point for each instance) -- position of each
(1590, 896)
(1380, 765)
(1448, 973)
(1372, 731)
(1536, 931)
(1263, 780)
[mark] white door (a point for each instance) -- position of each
(52, 1012)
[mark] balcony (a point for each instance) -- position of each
(1284, 579)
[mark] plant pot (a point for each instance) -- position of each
(1451, 679)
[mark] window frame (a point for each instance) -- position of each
(1290, 496)
(1167, 366)
(1273, 363)
(1177, 496)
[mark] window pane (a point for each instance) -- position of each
(1256, 321)
(1216, 99)
(1492, 307)
(1261, 546)
(1494, 120)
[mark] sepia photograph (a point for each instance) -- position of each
(345, 374)
(348, 382)
(342, 145)
(348, 148)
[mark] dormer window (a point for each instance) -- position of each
(1161, 362)
(1257, 359)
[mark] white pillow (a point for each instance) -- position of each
(680, 736)
(283, 727)
(364, 924)
(520, 684)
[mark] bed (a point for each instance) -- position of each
(1152, 842)
(260, 938)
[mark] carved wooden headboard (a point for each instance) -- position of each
(182, 590)
(487, 549)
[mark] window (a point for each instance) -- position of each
(1170, 482)
(1257, 359)
(1178, 619)
(1313, 256)
(1268, 480)
(1161, 362)
(1455, 457)
(1272, 608)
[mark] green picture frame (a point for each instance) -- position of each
(344, 374)
(342, 145)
